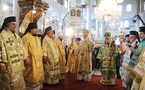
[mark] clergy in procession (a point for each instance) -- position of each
(85, 50)
(125, 52)
(72, 56)
(107, 54)
(136, 64)
(78, 40)
(33, 73)
(51, 58)
(12, 56)
(62, 54)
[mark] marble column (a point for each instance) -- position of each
(73, 3)
(59, 28)
(97, 30)
(44, 22)
(141, 5)
(16, 13)
(102, 30)
(89, 19)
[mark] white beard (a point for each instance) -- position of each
(85, 39)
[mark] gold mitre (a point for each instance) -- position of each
(107, 35)
(85, 32)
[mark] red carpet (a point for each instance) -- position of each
(71, 83)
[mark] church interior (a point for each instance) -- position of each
(72, 17)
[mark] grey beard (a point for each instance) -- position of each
(52, 36)
(13, 30)
(142, 38)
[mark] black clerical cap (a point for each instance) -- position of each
(142, 29)
(136, 34)
(30, 26)
(8, 20)
(54, 31)
(46, 30)
(127, 35)
(79, 39)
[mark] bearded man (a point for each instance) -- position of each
(51, 58)
(12, 57)
(85, 50)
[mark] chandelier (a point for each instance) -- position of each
(53, 15)
(114, 25)
(108, 10)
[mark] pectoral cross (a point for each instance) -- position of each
(9, 41)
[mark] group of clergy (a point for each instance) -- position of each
(133, 65)
(28, 62)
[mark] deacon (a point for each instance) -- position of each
(72, 56)
(33, 73)
(134, 67)
(12, 56)
(126, 52)
(107, 54)
(62, 54)
(51, 58)
(86, 48)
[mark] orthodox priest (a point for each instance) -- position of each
(33, 73)
(85, 50)
(125, 52)
(62, 54)
(141, 62)
(72, 56)
(134, 66)
(107, 54)
(51, 58)
(12, 56)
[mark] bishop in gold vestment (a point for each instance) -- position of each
(62, 54)
(12, 56)
(85, 63)
(51, 58)
(72, 56)
(33, 73)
